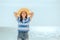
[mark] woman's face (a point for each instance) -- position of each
(24, 14)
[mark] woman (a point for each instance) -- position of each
(23, 24)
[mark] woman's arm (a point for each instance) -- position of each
(16, 14)
(31, 15)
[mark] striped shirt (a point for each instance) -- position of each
(24, 25)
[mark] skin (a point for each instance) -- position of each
(23, 14)
(30, 15)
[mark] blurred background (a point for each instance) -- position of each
(45, 24)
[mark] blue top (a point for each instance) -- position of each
(24, 25)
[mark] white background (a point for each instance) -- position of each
(46, 12)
